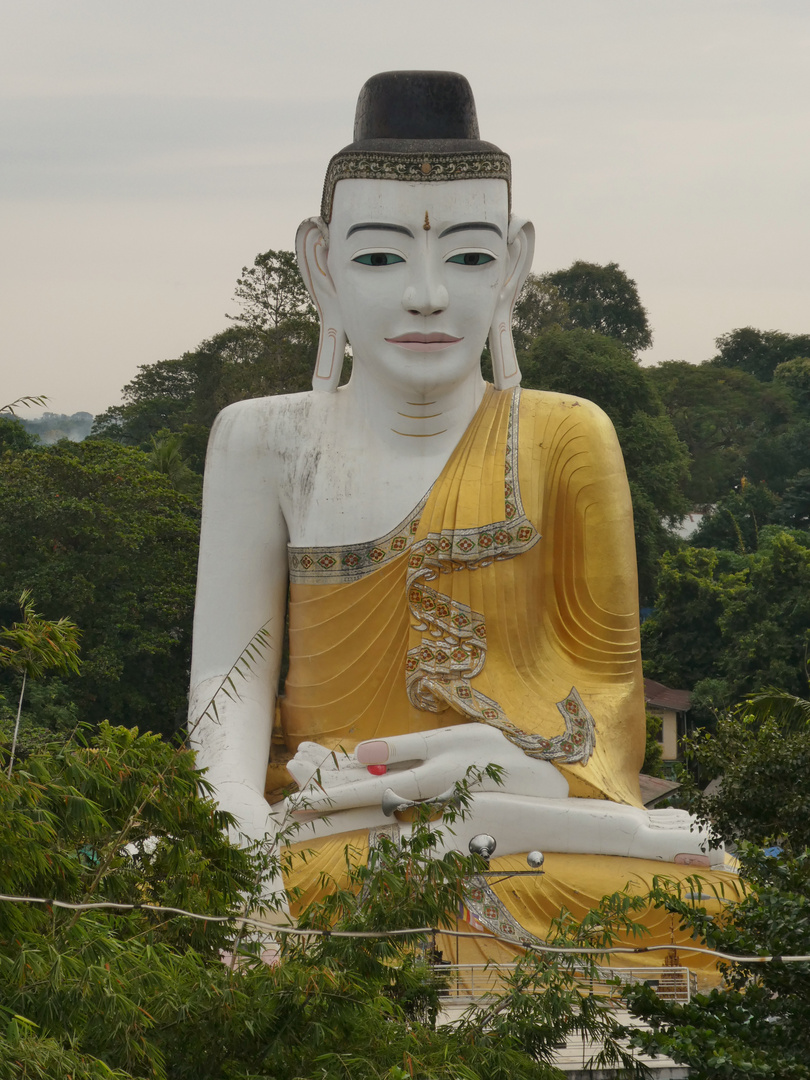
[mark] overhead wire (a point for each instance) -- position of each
(271, 929)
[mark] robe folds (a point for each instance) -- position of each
(508, 597)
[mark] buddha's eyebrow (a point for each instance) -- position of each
(472, 225)
(379, 225)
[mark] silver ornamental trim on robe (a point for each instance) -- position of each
(493, 915)
(453, 649)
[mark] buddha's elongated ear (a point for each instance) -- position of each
(520, 252)
(311, 246)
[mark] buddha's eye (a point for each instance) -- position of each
(471, 258)
(378, 258)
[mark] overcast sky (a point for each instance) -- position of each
(149, 150)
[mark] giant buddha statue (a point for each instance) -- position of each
(455, 559)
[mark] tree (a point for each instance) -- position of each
(126, 820)
(795, 509)
(735, 521)
(166, 457)
(34, 646)
(51, 427)
(14, 437)
(271, 350)
(727, 624)
(273, 296)
(760, 752)
(603, 299)
(92, 529)
(681, 639)
(795, 375)
(724, 417)
(759, 352)
(756, 1024)
(596, 367)
(99, 822)
(765, 626)
(540, 306)
(653, 764)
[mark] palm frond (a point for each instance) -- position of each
(18, 403)
(790, 712)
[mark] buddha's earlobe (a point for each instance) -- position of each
(311, 246)
(520, 249)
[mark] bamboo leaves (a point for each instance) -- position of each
(36, 645)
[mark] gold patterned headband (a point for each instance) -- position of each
(354, 165)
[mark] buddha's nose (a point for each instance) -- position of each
(425, 296)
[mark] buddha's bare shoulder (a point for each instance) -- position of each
(269, 423)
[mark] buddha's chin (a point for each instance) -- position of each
(424, 369)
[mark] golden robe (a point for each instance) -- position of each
(508, 596)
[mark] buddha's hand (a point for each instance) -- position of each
(419, 766)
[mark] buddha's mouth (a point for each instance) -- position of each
(416, 342)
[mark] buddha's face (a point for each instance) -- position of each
(418, 269)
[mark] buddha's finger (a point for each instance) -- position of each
(302, 770)
(340, 797)
(389, 751)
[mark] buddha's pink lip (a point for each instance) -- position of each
(417, 342)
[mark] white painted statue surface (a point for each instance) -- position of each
(418, 275)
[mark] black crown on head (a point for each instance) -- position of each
(415, 126)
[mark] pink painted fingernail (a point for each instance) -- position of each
(374, 752)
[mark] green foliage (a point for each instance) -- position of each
(21, 402)
(761, 753)
(598, 368)
(605, 300)
(756, 1024)
(735, 521)
(732, 424)
(14, 437)
(184, 395)
(126, 819)
(270, 350)
(539, 307)
(51, 427)
(653, 764)
(759, 352)
(680, 640)
(100, 822)
(50, 714)
(795, 375)
(726, 624)
(273, 295)
(166, 457)
(37, 645)
(34, 646)
(93, 530)
(795, 509)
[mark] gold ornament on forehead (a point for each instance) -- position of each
(426, 226)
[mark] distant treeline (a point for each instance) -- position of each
(51, 427)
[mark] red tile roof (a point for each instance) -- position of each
(654, 788)
(655, 693)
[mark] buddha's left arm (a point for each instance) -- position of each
(575, 486)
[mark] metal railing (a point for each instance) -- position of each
(471, 982)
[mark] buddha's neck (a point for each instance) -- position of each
(417, 421)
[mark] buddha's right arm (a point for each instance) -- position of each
(241, 593)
